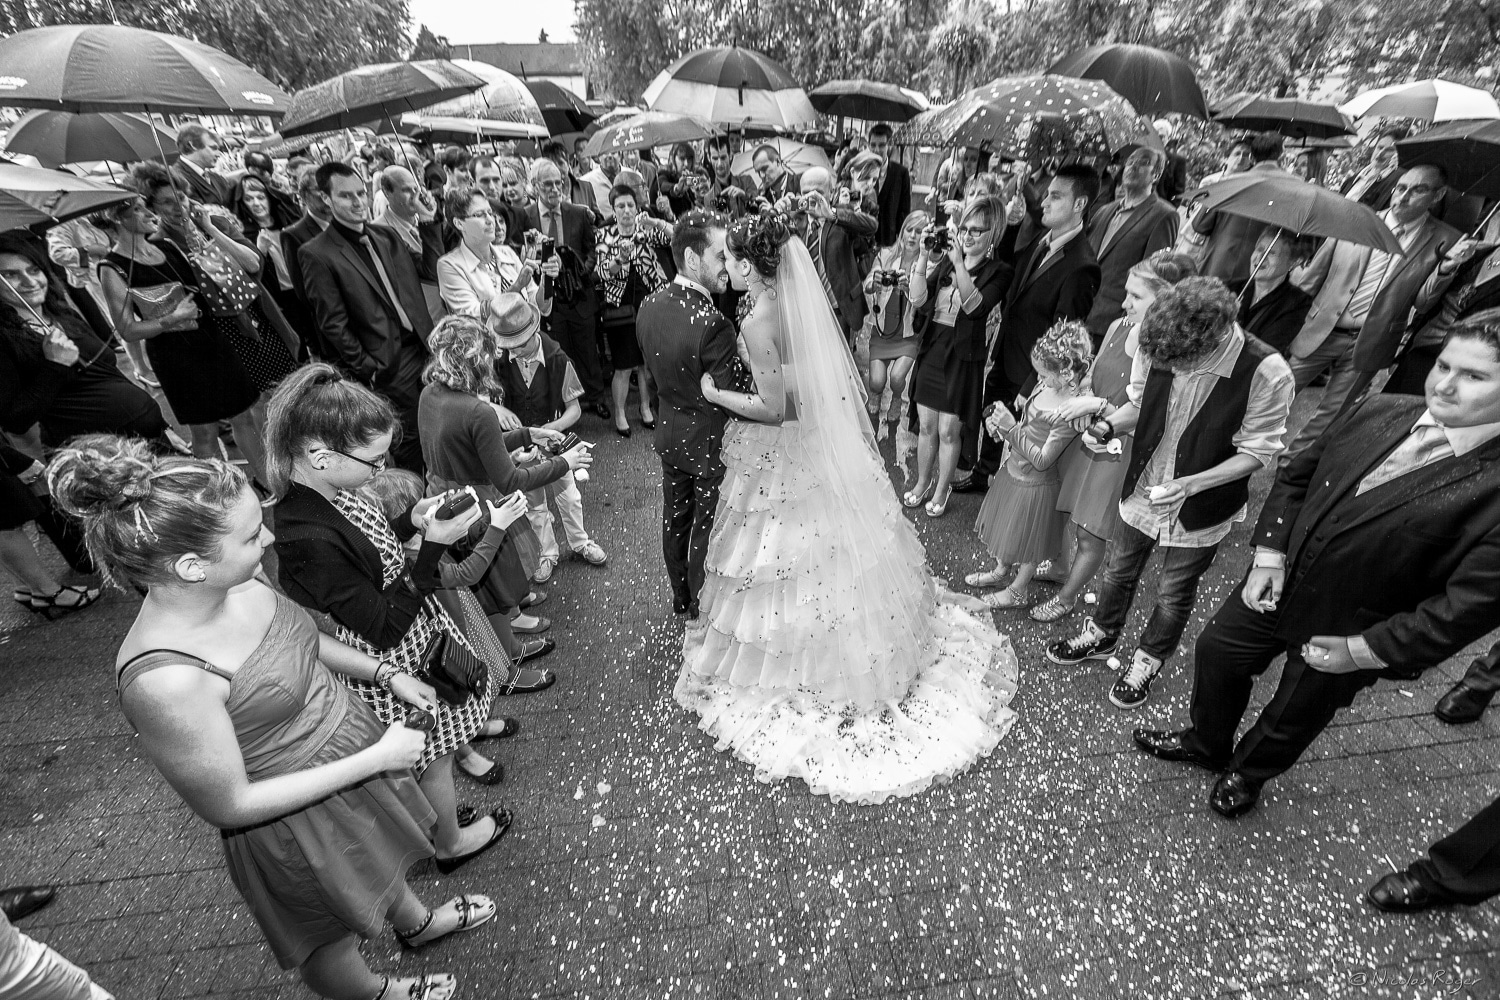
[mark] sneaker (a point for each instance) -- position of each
(544, 571)
(1090, 644)
(1134, 685)
(591, 553)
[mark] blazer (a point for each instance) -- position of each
(1410, 565)
(1150, 227)
(1377, 195)
(293, 238)
(467, 286)
(844, 240)
(578, 232)
(683, 335)
(1062, 289)
(355, 315)
(208, 186)
(1276, 318)
(1334, 273)
(894, 199)
(328, 565)
(992, 279)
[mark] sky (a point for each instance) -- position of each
(465, 21)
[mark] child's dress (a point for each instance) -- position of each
(1019, 521)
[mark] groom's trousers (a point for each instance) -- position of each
(687, 516)
(1464, 866)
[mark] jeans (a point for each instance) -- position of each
(1180, 571)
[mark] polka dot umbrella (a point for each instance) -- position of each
(1035, 117)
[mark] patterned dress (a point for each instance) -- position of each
(455, 724)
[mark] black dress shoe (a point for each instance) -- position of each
(493, 776)
(502, 818)
(623, 433)
(602, 409)
(680, 605)
(24, 900)
(1462, 704)
(1234, 795)
(972, 483)
(1402, 892)
(1168, 746)
(534, 649)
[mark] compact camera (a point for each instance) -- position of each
(888, 278)
(940, 240)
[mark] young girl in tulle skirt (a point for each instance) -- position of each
(1019, 522)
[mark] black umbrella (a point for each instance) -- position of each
(867, 100)
(1153, 81)
(370, 93)
(1468, 150)
(1290, 116)
(1296, 206)
(562, 111)
(32, 197)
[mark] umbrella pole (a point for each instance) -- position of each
(1479, 229)
(402, 146)
(1250, 281)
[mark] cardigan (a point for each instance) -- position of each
(463, 445)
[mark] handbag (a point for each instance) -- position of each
(454, 672)
(157, 301)
(223, 283)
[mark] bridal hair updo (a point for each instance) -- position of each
(141, 511)
(759, 239)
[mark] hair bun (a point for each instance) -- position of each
(100, 472)
(759, 239)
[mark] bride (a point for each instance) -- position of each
(825, 650)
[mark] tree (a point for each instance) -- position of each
(963, 41)
(430, 46)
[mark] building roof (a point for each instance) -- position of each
(527, 59)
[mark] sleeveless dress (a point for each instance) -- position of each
(334, 868)
(825, 649)
(1091, 482)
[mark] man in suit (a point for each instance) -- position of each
(1056, 278)
(720, 156)
(572, 323)
(1362, 297)
(193, 171)
(1375, 557)
(1127, 231)
(411, 215)
(367, 300)
(837, 237)
(1231, 238)
(1372, 185)
(894, 195)
(316, 215)
(489, 178)
(683, 335)
(774, 179)
(1173, 180)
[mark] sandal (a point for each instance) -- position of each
(1052, 610)
(1007, 598)
(473, 911)
(911, 498)
(988, 577)
(424, 988)
(935, 509)
(52, 608)
(445, 866)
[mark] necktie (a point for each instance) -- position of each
(1423, 446)
(554, 222)
(815, 250)
(1368, 288)
(385, 281)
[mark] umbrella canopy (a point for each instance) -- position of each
(58, 137)
(31, 196)
(731, 86)
(619, 114)
(649, 128)
(1036, 117)
(373, 92)
(467, 131)
(1468, 150)
(106, 67)
(799, 157)
(503, 97)
(1429, 100)
(562, 111)
(1153, 81)
(1298, 207)
(867, 100)
(1291, 116)
(277, 145)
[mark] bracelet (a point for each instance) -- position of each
(384, 673)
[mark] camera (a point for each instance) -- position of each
(888, 278)
(548, 247)
(567, 443)
(940, 240)
(454, 505)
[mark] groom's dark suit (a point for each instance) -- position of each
(683, 335)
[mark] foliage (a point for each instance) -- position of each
(430, 46)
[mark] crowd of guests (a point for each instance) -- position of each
(399, 345)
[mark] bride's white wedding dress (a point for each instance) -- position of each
(825, 649)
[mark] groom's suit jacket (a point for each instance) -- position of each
(683, 335)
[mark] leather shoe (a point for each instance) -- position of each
(680, 605)
(24, 900)
(1462, 704)
(1168, 746)
(972, 483)
(602, 409)
(534, 649)
(1234, 795)
(1401, 892)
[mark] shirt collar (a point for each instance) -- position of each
(1221, 361)
(687, 282)
(1056, 241)
(390, 218)
(352, 235)
(1462, 439)
(1403, 233)
(192, 166)
(534, 357)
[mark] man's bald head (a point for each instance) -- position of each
(818, 179)
(402, 192)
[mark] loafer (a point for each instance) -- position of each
(535, 649)
(1462, 704)
(1234, 795)
(542, 625)
(532, 599)
(1168, 746)
(972, 483)
(24, 900)
(1402, 892)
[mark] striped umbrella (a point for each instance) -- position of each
(1429, 100)
(504, 97)
(733, 87)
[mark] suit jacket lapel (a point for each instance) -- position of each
(1429, 479)
(1376, 447)
(1136, 218)
(1028, 270)
(1405, 260)
(364, 272)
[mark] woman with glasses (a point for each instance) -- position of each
(629, 270)
(954, 293)
(474, 273)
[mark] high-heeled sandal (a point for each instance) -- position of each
(49, 606)
(987, 578)
(423, 988)
(935, 509)
(473, 911)
(911, 498)
(1006, 598)
(1051, 610)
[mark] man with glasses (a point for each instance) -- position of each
(367, 300)
(1362, 297)
(1372, 185)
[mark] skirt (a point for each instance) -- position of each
(624, 348)
(1020, 522)
(946, 380)
(891, 348)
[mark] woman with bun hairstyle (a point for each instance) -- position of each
(229, 686)
(340, 555)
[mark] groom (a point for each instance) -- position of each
(683, 335)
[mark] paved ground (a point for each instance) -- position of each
(645, 865)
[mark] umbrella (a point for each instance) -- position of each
(867, 100)
(1468, 150)
(468, 131)
(1293, 204)
(31, 196)
(561, 109)
(277, 145)
(1036, 117)
(370, 93)
(58, 137)
(1291, 116)
(1153, 81)
(503, 97)
(647, 129)
(619, 114)
(106, 67)
(799, 157)
(1429, 100)
(731, 86)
